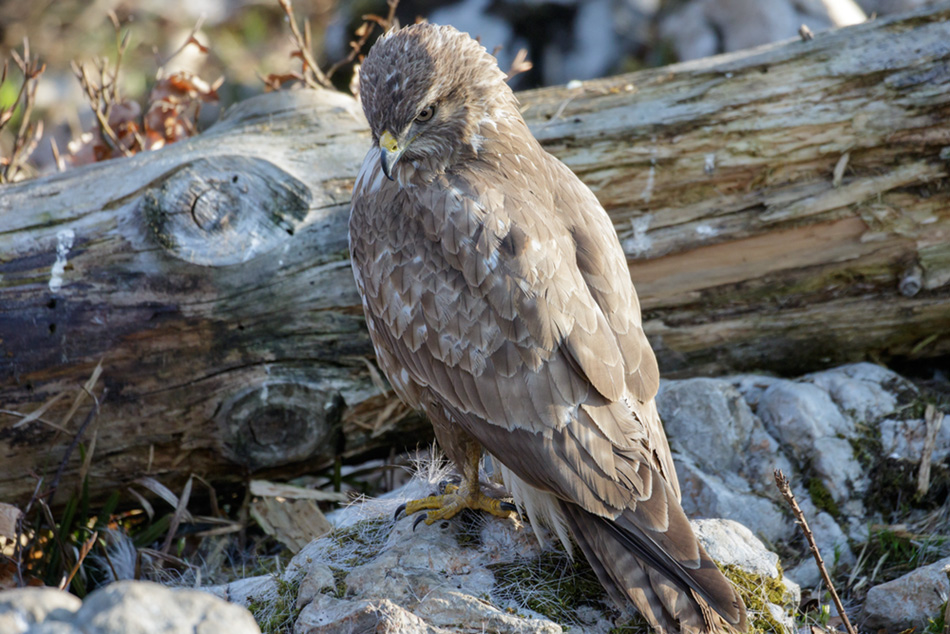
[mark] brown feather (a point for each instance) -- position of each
(499, 302)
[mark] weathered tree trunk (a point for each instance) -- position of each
(783, 209)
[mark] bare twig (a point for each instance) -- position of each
(19, 545)
(28, 135)
(312, 75)
(191, 39)
(83, 551)
(782, 482)
(102, 93)
(520, 64)
(363, 32)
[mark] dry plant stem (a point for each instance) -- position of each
(18, 548)
(782, 482)
(312, 74)
(180, 510)
(105, 93)
(93, 412)
(86, 547)
(27, 135)
(188, 40)
(364, 32)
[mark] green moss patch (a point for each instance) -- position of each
(821, 497)
(757, 592)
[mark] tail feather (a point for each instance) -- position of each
(672, 596)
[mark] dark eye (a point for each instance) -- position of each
(426, 113)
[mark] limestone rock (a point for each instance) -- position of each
(327, 615)
(908, 601)
(244, 591)
(732, 544)
(22, 608)
(124, 607)
(806, 422)
(448, 576)
(141, 607)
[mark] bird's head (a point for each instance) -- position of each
(426, 89)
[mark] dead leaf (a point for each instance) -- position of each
(294, 523)
(9, 515)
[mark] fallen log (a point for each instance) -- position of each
(783, 209)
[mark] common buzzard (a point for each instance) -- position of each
(499, 302)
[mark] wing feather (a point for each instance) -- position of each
(512, 312)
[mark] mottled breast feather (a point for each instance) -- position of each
(499, 301)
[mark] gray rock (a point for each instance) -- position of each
(904, 439)
(831, 541)
(461, 611)
(909, 601)
(439, 574)
(885, 7)
(710, 421)
(318, 578)
(813, 430)
(732, 544)
(124, 607)
(142, 607)
(865, 392)
(23, 607)
(706, 495)
(425, 572)
(327, 615)
(244, 591)
(724, 456)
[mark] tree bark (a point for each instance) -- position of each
(783, 209)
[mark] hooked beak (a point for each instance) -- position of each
(389, 153)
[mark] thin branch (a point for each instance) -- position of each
(83, 551)
(28, 134)
(363, 32)
(312, 74)
(520, 64)
(782, 482)
(191, 39)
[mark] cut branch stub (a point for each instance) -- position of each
(226, 210)
(281, 423)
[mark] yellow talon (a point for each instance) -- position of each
(453, 500)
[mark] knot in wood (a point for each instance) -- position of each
(225, 210)
(281, 423)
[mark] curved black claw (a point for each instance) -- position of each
(399, 511)
(508, 506)
(456, 480)
(419, 519)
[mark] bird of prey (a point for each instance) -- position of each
(499, 302)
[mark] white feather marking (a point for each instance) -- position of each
(541, 508)
(492, 260)
(371, 161)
